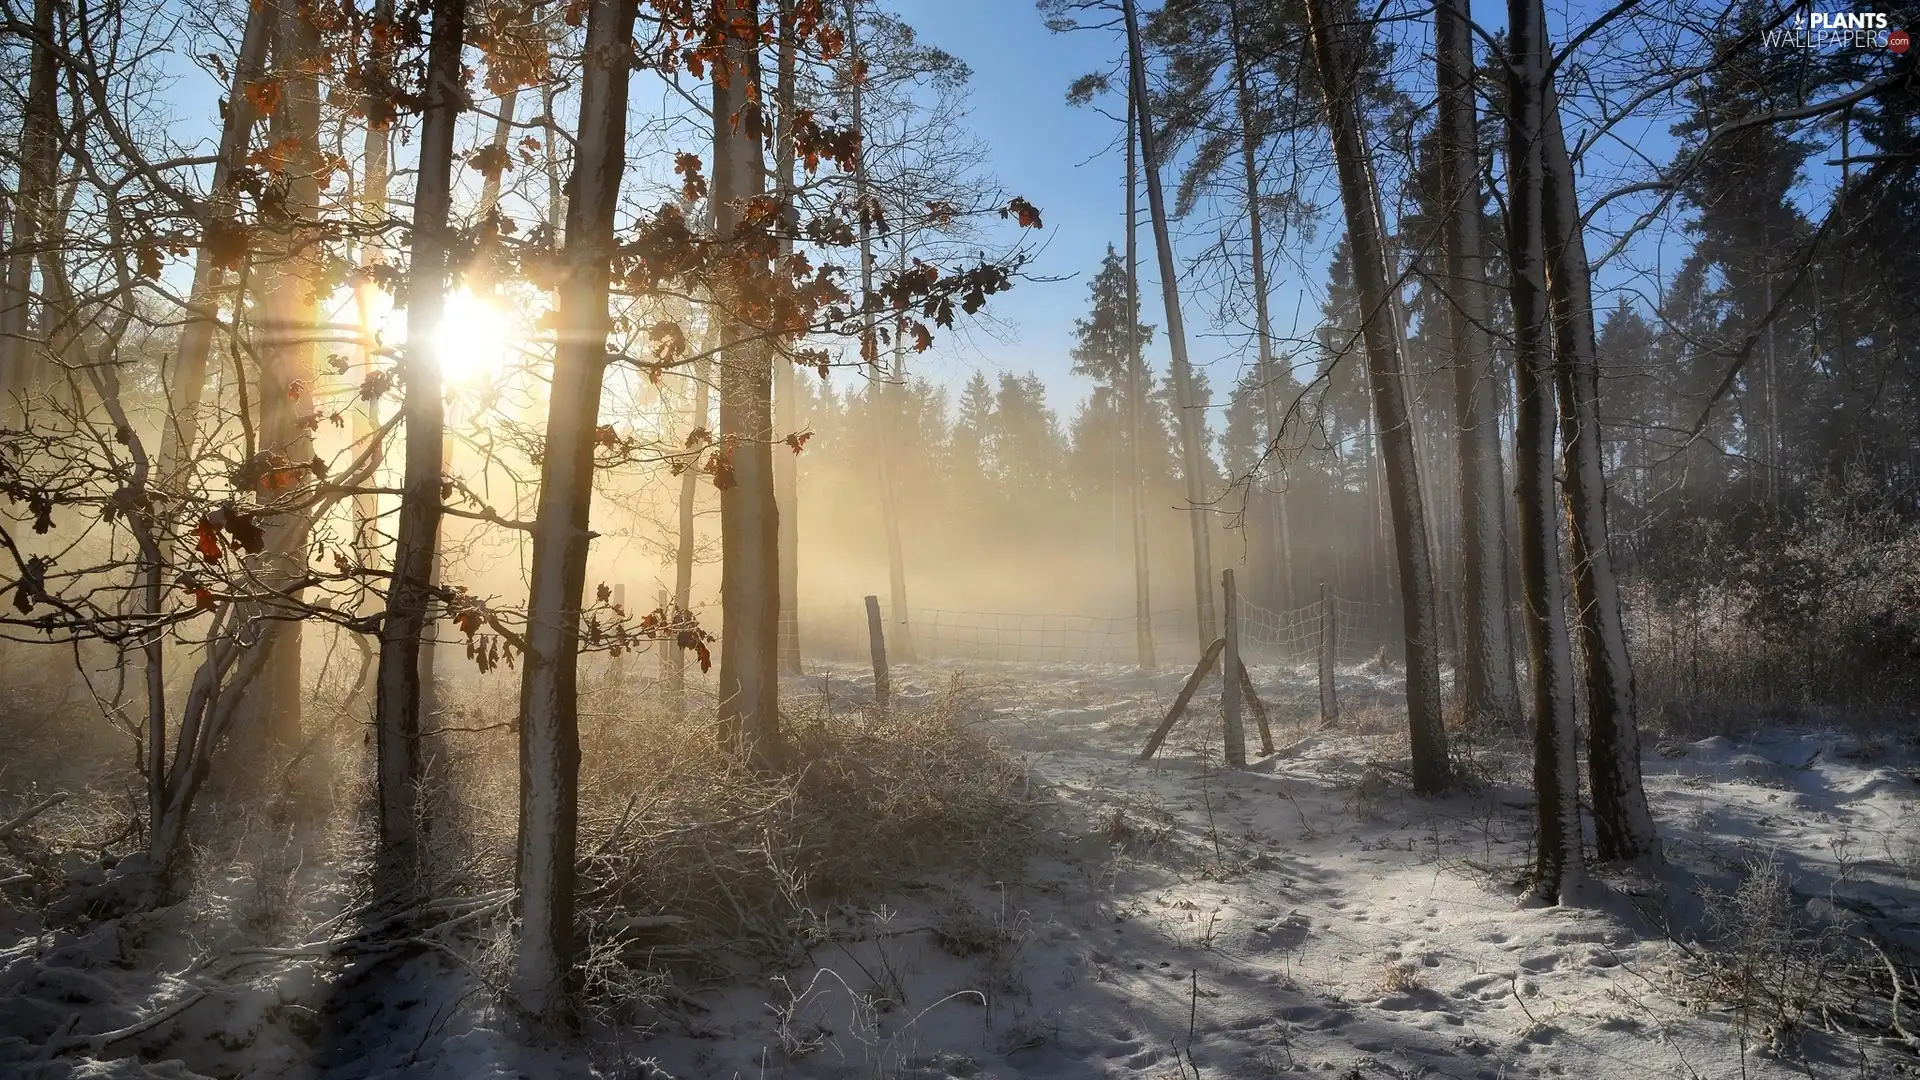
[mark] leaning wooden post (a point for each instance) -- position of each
(1329, 646)
(1207, 660)
(1230, 680)
(876, 633)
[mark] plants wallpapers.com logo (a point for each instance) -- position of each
(1823, 30)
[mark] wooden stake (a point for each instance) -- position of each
(1229, 680)
(1200, 670)
(1259, 710)
(876, 634)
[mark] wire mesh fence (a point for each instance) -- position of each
(1285, 637)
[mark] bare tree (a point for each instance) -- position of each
(549, 714)
(1623, 826)
(1136, 403)
(1491, 692)
(749, 518)
(284, 347)
(1556, 778)
(786, 469)
(397, 694)
(33, 213)
(1335, 55)
(1193, 455)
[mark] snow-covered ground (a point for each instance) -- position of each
(1305, 916)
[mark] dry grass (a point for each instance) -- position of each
(693, 865)
(1779, 971)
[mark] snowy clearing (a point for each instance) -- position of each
(1303, 917)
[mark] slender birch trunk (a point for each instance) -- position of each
(1335, 53)
(397, 695)
(1136, 404)
(786, 467)
(549, 691)
(1191, 422)
(749, 518)
(271, 702)
(1623, 826)
(702, 406)
(1491, 691)
(1263, 324)
(1556, 777)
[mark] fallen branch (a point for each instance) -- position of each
(96, 1043)
(31, 812)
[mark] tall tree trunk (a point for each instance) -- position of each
(271, 702)
(1556, 777)
(1190, 420)
(549, 692)
(1623, 826)
(749, 518)
(1136, 404)
(376, 173)
(683, 548)
(1263, 324)
(786, 467)
(397, 694)
(203, 322)
(33, 215)
(1492, 693)
(1336, 54)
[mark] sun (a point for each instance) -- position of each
(474, 339)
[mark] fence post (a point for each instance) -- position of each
(1230, 676)
(1329, 649)
(876, 634)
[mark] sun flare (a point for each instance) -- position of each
(474, 339)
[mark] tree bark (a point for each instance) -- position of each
(1193, 456)
(33, 214)
(1623, 825)
(683, 548)
(786, 467)
(1335, 53)
(549, 692)
(749, 518)
(271, 702)
(397, 694)
(1491, 690)
(1136, 405)
(1555, 773)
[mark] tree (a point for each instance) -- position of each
(397, 694)
(288, 384)
(1556, 780)
(1188, 418)
(1491, 692)
(1623, 826)
(549, 720)
(786, 469)
(1333, 51)
(749, 517)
